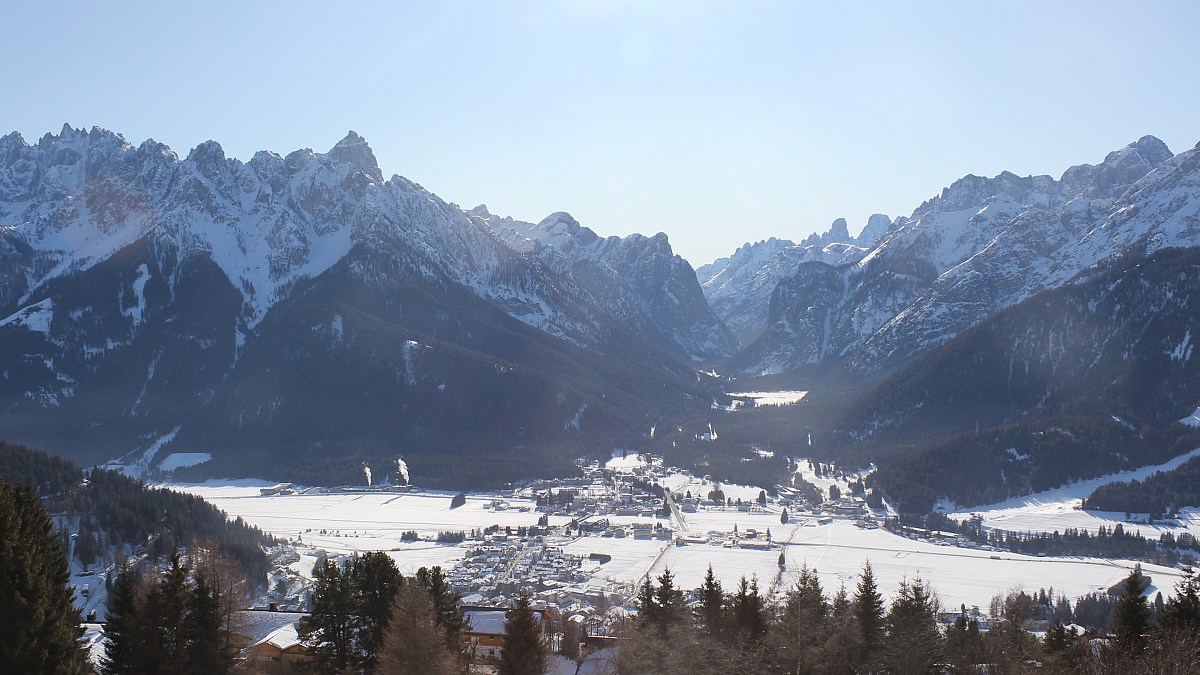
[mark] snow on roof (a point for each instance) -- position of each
(489, 620)
(283, 638)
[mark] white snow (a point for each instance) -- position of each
(139, 294)
(1058, 509)
(179, 460)
(35, 317)
(625, 462)
(140, 466)
(1192, 420)
(364, 521)
(778, 398)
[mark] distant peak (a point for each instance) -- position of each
(556, 218)
(481, 211)
(353, 150)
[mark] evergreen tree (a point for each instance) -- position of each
(1131, 616)
(413, 641)
(329, 633)
(376, 581)
(783, 517)
(39, 625)
(524, 651)
(749, 612)
(1182, 610)
(913, 643)
(447, 605)
(712, 598)
(963, 643)
(868, 612)
(804, 616)
(125, 628)
(647, 605)
(204, 631)
(166, 608)
(669, 602)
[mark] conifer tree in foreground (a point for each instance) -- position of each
(376, 580)
(524, 651)
(711, 608)
(333, 623)
(868, 611)
(1131, 615)
(913, 643)
(447, 604)
(39, 626)
(170, 624)
(1182, 610)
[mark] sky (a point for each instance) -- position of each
(719, 123)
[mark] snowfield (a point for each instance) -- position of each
(777, 398)
(344, 523)
(1058, 509)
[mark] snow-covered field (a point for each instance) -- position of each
(1058, 509)
(772, 397)
(361, 521)
(837, 548)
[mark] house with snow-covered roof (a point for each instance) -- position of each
(483, 632)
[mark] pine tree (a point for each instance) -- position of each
(712, 598)
(524, 652)
(205, 649)
(166, 606)
(913, 643)
(669, 601)
(803, 616)
(749, 615)
(39, 625)
(329, 633)
(1182, 610)
(1131, 616)
(376, 581)
(868, 611)
(647, 605)
(447, 604)
(125, 628)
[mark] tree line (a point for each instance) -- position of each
(116, 510)
(807, 631)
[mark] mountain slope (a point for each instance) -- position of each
(739, 287)
(1072, 383)
(303, 307)
(637, 279)
(982, 245)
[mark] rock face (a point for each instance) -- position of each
(740, 287)
(637, 279)
(982, 245)
(302, 304)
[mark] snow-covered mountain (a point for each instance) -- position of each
(982, 245)
(739, 287)
(637, 279)
(146, 297)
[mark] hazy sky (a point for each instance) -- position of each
(715, 122)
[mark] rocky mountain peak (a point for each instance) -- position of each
(353, 150)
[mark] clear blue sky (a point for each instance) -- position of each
(715, 122)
